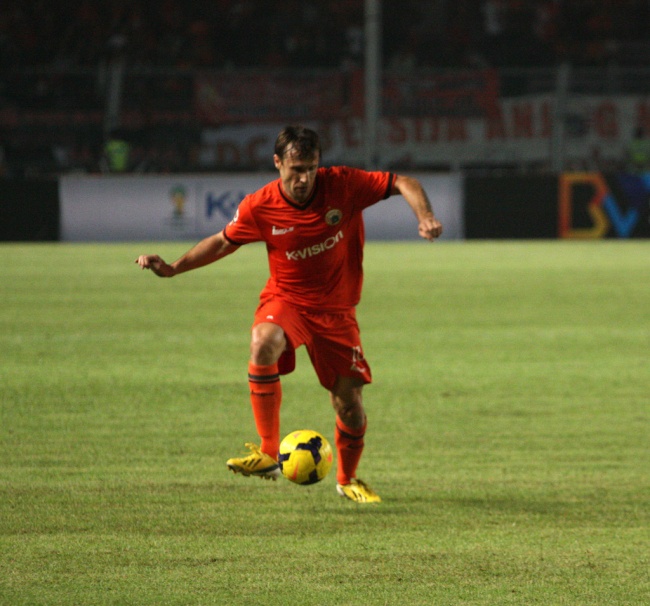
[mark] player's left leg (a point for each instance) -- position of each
(346, 396)
(337, 356)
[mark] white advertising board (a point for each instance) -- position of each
(191, 207)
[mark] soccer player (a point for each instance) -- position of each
(311, 222)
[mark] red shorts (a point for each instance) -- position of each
(332, 340)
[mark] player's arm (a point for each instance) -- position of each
(412, 191)
(207, 251)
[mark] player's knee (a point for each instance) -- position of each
(351, 413)
(348, 404)
(267, 343)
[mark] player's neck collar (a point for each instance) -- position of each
(295, 204)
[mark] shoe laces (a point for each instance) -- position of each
(255, 450)
(361, 484)
(361, 488)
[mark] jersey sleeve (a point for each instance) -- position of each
(370, 187)
(243, 229)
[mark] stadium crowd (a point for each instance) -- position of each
(317, 33)
(41, 41)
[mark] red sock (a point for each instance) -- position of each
(266, 397)
(349, 447)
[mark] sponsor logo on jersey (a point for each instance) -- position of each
(316, 249)
(278, 231)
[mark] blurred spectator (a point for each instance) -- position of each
(117, 152)
(639, 152)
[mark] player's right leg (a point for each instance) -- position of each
(267, 344)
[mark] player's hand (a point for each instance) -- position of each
(156, 265)
(430, 228)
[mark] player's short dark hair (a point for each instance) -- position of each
(303, 140)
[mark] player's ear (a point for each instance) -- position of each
(277, 161)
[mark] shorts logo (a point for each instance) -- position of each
(333, 217)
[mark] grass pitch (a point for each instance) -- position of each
(508, 432)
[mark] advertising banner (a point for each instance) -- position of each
(220, 98)
(597, 134)
(466, 93)
(191, 207)
(596, 205)
(178, 207)
(578, 205)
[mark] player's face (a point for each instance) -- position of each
(298, 175)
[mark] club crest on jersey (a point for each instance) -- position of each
(333, 217)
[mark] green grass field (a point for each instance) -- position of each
(508, 432)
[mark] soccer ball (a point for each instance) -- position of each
(305, 457)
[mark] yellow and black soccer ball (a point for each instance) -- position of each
(305, 457)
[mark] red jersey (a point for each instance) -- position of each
(315, 251)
